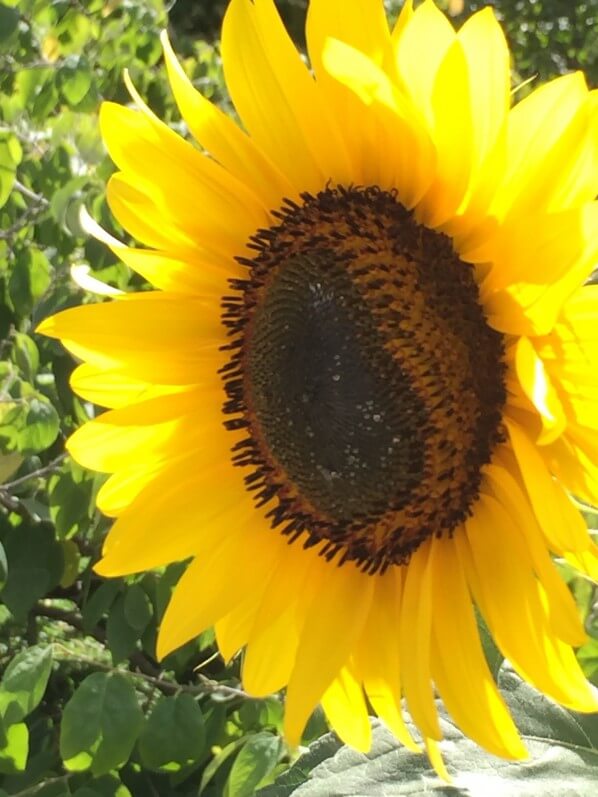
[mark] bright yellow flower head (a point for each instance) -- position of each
(365, 384)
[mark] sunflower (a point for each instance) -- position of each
(364, 386)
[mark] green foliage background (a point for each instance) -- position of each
(85, 707)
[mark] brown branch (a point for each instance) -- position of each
(149, 672)
(37, 198)
(45, 470)
(36, 787)
(13, 504)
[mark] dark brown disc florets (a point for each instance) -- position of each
(365, 373)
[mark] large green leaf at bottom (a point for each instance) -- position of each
(563, 759)
(24, 682)
(100, 724)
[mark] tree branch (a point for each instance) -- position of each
(45, 470)
(147, 671)
(38, 198)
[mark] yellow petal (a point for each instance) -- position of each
(473, 149)
(453, 135)
(219, 579)
(561, 523)
(586, 561)
(538, 387)
(270, 656)
(156, 337)
(123, 487)
(578, 178)
(488, 73)
(360, 23)
(538, 248)
(419, 50)
(574, 463)
(153, 427)
(435, 756)
(223, 139)
(394, 148)
(345, 708)
(189, 189)
(404, 18)
(332, 624)
(274, 637)
(575, 337)
(524, 308)
(190, 274)
(542, 131)
(507, 591)
(277, 98)
(458, 662)
(362, 26)
(377, 659)
(81, 274)
(415, 631)
(232, 630)
(178, 513)
(113, 388)
(137, 212)
(564, 615)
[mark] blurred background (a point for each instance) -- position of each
(85, 708)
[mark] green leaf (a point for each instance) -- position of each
(26, 355)
(74, 79)
(13, 755)
(174, 734)
(35, 564)
(64, 196)
(494, 657)
(9, 21)
(538, 717)
(587, 656)
(563, 750)
(137, 607)
(29, 279)
(42, 425)
(99, 602)
(256, 760)
(218, 760)
(9, 463)
(8, 167)
(24, 683)
(100, 724)
(121, 636)
(70, 495)
(29, 423)
(29, 83)
(106, 786)
(50, 789)
(72, 559)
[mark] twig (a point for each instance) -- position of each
(43, 471)
(75, 620)
(214, 687)
(167, 687)
(37, 787)
(146, 670)
(27, 217)
(13, 504)
(41, 200)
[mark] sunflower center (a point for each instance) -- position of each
(365, 373)
(334, 407)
